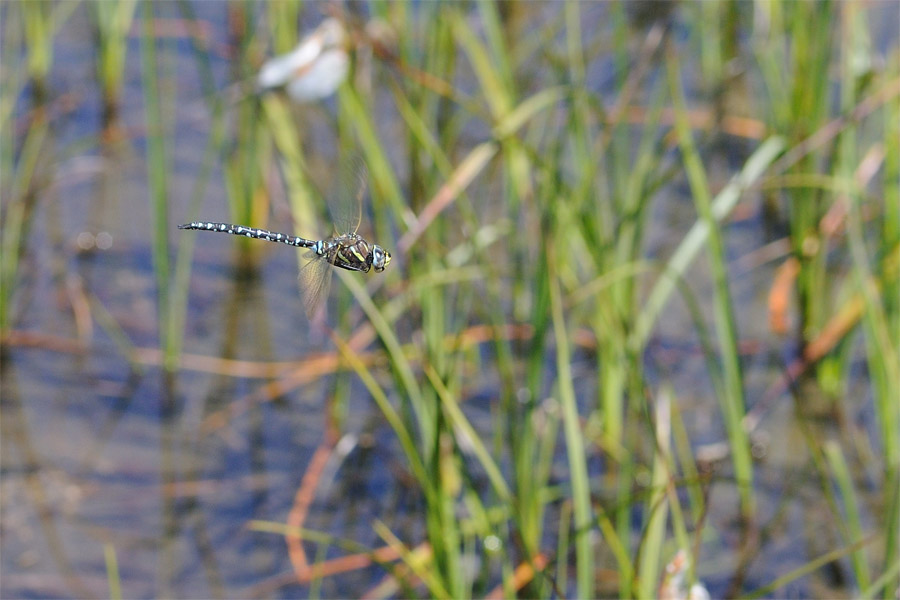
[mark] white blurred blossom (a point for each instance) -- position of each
(314, 69)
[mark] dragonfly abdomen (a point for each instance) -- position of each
(251, 232)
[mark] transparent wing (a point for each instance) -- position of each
(345, 204)
(315, 280)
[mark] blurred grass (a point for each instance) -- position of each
(113, 23)
(112, 572)
(520, 194)
(158, 168)
(731, 393)
(17, 211)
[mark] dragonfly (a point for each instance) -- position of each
(345, 249)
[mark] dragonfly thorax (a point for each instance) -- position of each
(351, 252)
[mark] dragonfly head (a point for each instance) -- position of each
(380, 258)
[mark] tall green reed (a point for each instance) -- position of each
(560, 250)
(40, 22)
(887, 407)
(214, 149)
(841, 38)
(794, 51)
(429, 410)
(611, 194)
(732, 391)
(20, 161)
(37, 18)
(157, 164)
(18, 208)
(873, 263)
(496, 81)
(112, 22)
(422, 407)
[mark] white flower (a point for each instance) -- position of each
(314, 69)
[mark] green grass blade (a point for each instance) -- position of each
(806, 569)
(388, 336)
(657, 505)
(841, 473)
(459, 420)
(575, 449)
(733, 404)
(112, 571)
(157, 177)
(690, 246)
(14, 225)
(393, 418)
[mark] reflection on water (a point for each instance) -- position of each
(100, 454)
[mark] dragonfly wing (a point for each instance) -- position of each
(345, 204)
(315, 280)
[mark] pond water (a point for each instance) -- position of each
(106, 453)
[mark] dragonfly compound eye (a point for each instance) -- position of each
(380, 258)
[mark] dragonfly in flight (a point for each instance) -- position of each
(345, 249)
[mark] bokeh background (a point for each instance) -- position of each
(639, 336)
